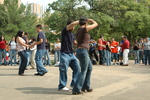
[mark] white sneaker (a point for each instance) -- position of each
(64, 89)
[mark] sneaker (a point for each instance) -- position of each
(115, 64)
(64, 89)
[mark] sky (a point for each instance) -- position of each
(41, 2)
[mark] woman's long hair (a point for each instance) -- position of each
(1, 38)
(19, 34)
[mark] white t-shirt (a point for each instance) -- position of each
(56, 45)
(19, 46)
(13, 45)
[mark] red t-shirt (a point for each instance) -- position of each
(125, 45)
(104, 43)
(2, 44)
(114, 48)
(101, 43)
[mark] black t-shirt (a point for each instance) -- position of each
(41, 35)
(67, 39)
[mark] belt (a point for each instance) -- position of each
(82, 48)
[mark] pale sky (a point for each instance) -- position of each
(41, 2)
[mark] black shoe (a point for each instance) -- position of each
(43, 74)
(37, 74)
(77, 93)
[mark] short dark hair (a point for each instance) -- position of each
(69, 22)
(39, 26)
(101, 36)
(82, 21)
(26, 33)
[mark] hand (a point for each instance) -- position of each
(31, 46)
(104, 46)
(90, 21)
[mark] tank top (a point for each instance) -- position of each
(83, 38)
(19, 46)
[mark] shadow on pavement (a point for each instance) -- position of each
(8, 75)
(40, 90)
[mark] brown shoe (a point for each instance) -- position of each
(89, 90)
(77, 93)
(125, 65)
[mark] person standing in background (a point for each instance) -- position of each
(3, 43)
(41, 40)
(141, 51)
(92, 50)
(136, 51)
(114, 50)
(13, 51)
(108, 53)
(104, 50)
(125, 49)
(57, 47)
(146, 47)
(47, 60)
(121, 52)
(7, 54)
(33, 52)
(101, 51)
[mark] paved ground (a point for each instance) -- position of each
(109, 83)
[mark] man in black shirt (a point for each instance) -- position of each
(67, 57)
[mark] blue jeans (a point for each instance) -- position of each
(101, 57)
(57, 56)
(136, 56)
(3, 52)
(28, 54)
(114, 56)
(39, 63)
(13, 54)
(108, 58)
(147, 56)
(46, 55)
(67, 60)
(83, 81)
(141, 57)
(23, 61)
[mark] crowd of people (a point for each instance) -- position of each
(35, 52)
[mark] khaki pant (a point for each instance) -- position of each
(32, 58)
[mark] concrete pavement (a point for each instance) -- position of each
(109, 83)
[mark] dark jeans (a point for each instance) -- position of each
(147, 56)
(67, 60)
(91, 53)
(101, 57)
(83, 81)
(23, 62)
(3, 52)
(141, 57)
(114, 56)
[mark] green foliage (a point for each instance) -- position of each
(115, 17)
(14, 18)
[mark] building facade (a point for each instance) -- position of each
(36, 9)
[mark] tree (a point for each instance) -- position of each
(130, 18)
(14, 18)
